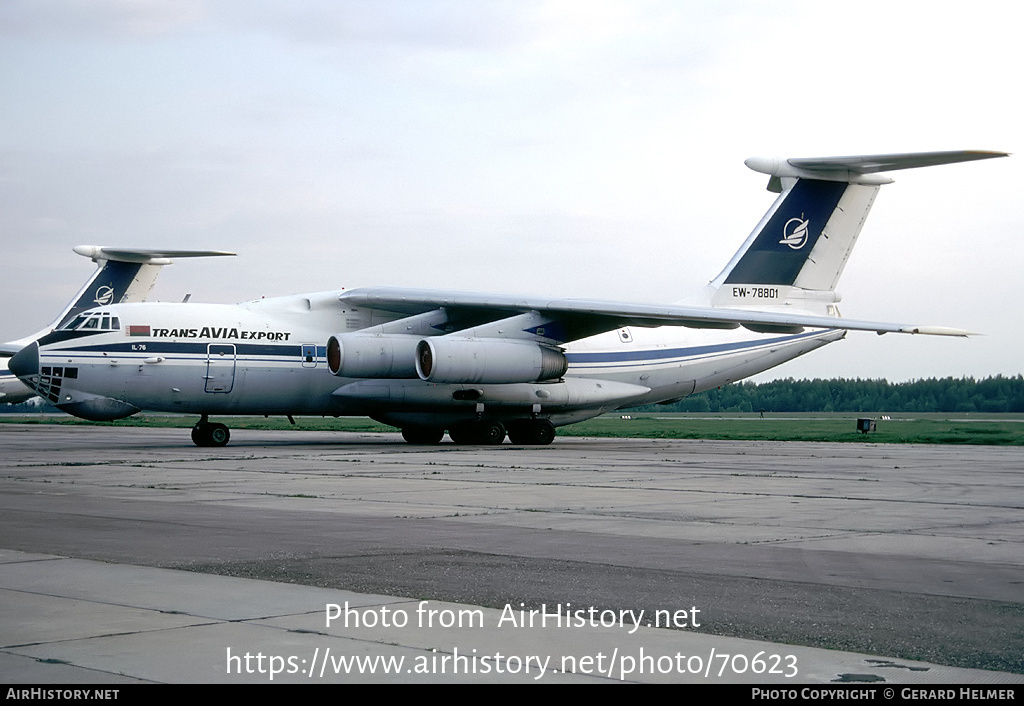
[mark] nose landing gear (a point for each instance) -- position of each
(206, 433)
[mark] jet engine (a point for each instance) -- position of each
(376, 355)
(491, 360)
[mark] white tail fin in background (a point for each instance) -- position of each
(122, 275)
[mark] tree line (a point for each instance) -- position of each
(992, 394)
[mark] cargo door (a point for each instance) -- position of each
(220, 367)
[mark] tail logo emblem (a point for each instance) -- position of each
(104, 295)
(794, 233)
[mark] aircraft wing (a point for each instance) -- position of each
(579, 318)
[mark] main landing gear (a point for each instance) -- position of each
(531, 432)
(206, 433)
(485, 432)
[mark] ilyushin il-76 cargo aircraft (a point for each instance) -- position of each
(483, 366)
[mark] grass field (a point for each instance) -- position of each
(987, 429)
(900, 429)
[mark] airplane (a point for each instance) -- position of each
(483, 366)
(121, 275)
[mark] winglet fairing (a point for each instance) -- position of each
(478, 366)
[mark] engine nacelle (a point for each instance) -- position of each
(372, 355)
(493, 360)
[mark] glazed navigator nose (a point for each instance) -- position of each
(25, 362)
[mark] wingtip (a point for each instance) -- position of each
(942, 331)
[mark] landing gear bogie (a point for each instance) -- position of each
(482, 432)
(531, 432)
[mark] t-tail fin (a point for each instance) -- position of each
(798, 251)
(122, 275)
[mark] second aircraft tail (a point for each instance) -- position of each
(122, 275)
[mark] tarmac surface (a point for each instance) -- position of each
(129, 554)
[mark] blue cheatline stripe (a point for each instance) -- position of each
(663, 353)
(770, 261)
(181, 348)
(292, 352)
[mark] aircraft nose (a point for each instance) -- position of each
(26, 361)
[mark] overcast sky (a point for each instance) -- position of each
(572, 148)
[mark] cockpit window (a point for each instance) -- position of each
(93, 322)
(74, 323)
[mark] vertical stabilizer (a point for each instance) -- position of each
(114, 281)
(122, 275)
(796, 254)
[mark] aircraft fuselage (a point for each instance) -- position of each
(269, 357)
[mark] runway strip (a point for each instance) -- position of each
(901, 552)
(71, 621)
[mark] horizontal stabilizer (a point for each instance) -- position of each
(855, 168)
(151, 257)
(869, 164)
